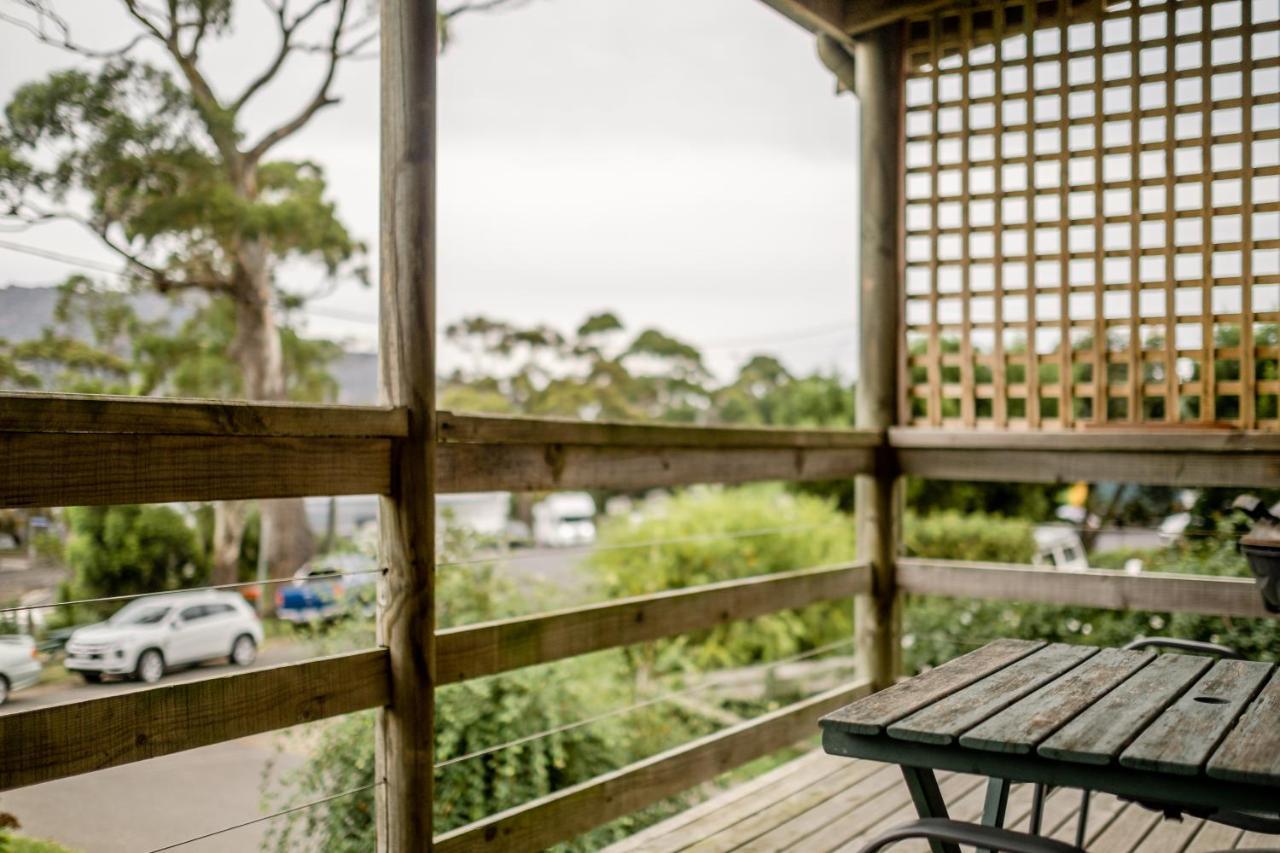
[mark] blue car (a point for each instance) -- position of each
(328, 589)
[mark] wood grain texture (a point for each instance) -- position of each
(1097, 735)
(1142, 441)
(78, 737)
(405, 734)
(472, 651)
(100, 413)
(531, 467)
(1159, 591)
(943, 721)
(878, 62)
(1033, 718)
(1187, 732)
(458, 428)
(1228, 470)
(872, 714)
(576, 809)
(42, 469)
(1251, 751)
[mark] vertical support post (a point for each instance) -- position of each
(878, 58)
(406, 518)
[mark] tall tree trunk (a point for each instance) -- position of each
(229, 519)
(258, 351)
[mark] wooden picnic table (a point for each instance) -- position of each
(1178, 731)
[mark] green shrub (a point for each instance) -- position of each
(129, 549)
(474, 716)
(701, 528)
(976, 536)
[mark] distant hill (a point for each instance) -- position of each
(26, 311)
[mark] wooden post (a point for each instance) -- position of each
(406, 612)
(879, 87)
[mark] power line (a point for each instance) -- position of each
(60, 257)
(706, 684)
(281, 813)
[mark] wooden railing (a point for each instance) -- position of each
(64, 449)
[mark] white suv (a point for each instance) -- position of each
(149, 635)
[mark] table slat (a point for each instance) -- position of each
(1030, 720)
(1251, 751)
(944, 720)
(1186, 733)
(869, 715)
(1098, 734)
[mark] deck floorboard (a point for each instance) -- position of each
(820, 803)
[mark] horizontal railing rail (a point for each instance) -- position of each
(1101, 588)
(78, 737)
(75, 449)
(1175, 458)
(488, 648)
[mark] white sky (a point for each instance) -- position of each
(682, 162)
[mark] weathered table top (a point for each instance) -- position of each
(1167, 728)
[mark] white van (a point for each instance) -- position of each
(1060, 548)
(565, 519)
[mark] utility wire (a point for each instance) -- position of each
(239, 585)
(280, 813)
(655, 700)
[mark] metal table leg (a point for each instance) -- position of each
(923, 786)
(996, 804)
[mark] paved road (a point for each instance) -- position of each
(75, 690)
(151, 804)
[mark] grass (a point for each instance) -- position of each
(22, 844)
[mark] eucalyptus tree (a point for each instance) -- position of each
(151, 148)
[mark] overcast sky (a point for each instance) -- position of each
(682, 162)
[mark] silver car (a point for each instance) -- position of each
(19, 664)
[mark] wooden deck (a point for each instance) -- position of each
(822, 803)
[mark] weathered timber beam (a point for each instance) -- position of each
(93, 413)
(78, 737)
(501, 430)
(52, 469)
(569, 812)
(1159, 591)
(472, 651)
(534, 467)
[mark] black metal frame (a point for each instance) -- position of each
(952, 833)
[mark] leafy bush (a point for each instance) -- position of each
(125, 550)
(701, 530)
(474, 716)
(975, 536)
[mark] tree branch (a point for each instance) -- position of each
(319, 101)
(62, 39)
(287, 30)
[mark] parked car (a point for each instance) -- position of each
(564, 520)
(19, 664)
(329, 588)
(150, 635)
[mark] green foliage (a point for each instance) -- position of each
(700, 527)
(479, 714)
(969, 537)
(596, 374)
(129, 549)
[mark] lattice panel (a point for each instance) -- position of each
(1092, 215)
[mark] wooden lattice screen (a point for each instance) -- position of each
(1092, 214)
